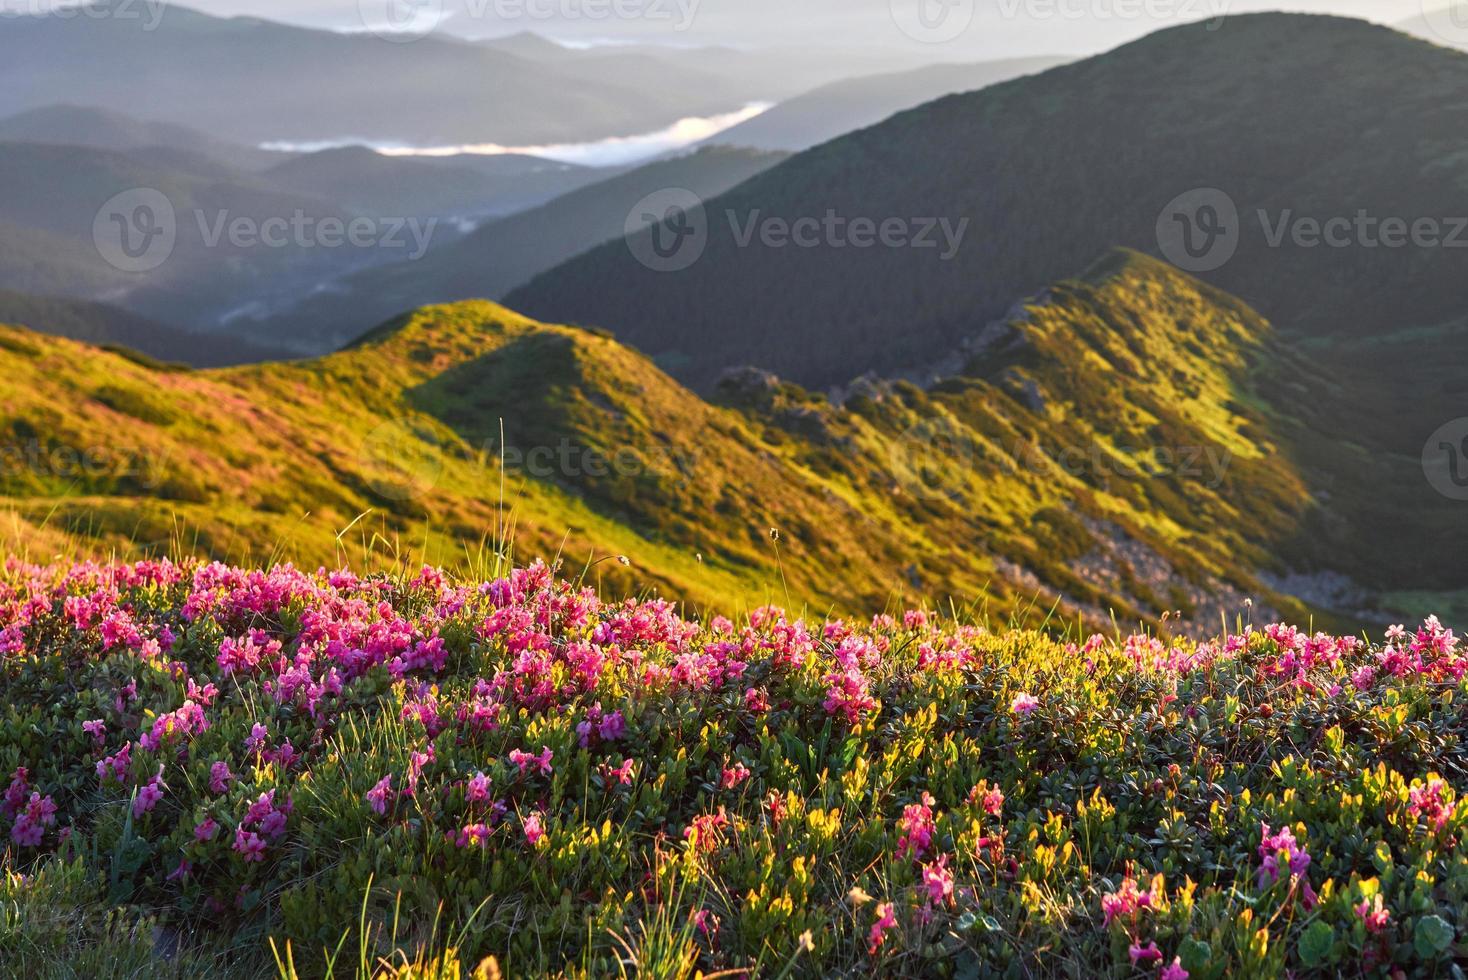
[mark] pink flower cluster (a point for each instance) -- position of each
(31, 812)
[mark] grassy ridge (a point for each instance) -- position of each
(1109, 448)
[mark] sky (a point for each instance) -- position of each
(952, 29)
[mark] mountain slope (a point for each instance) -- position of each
(371, 183)
(1109, 448)
(846, 106)
(504, 254)
(1445, 25)
(1278, 125)
(80, 125)
(242, 79)
(107, 326)
(58, 241)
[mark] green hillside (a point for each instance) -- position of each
(1033, 474)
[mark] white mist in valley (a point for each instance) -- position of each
(615, 151)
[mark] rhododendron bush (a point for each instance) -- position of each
(571, 785)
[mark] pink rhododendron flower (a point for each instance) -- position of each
(524, 760)
(621, 775)
(248, 845)
(733, 775)
(706, 830)
(206, 830)
(477, 790)
(219, 778)
(1429, 804)
(148, 796)
(1125, 902)
(1024, 704)
(256, 740)
(1374, 915)
(534, 830)
(473, 835)
(1280, 852)
(1173, 970)
(848, 695)
(990, 798)
(886, 921)
(380, 795)
(938, 882)
(917, 828)
(1144, 955)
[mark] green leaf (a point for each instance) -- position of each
(1316, 943)
(1431, 936)
(1382, 857)
(1195, 954)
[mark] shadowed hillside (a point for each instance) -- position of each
(1300, 116)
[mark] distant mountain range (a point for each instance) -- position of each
(843, 107)
(103, 129)
(371, 183)
(245, 80)
(1029, 474)
(56, 201)
(506, 253)
(64, 163)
